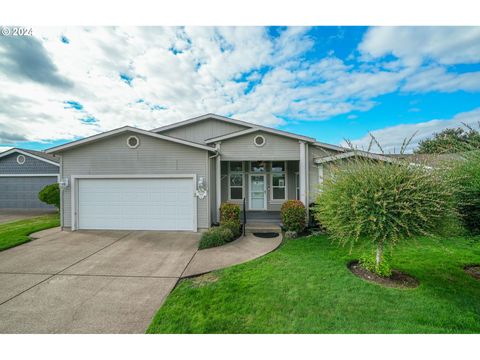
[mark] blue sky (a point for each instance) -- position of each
(331, 83)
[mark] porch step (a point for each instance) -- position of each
(262, 227)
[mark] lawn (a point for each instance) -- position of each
(305, 287)
(16, 232)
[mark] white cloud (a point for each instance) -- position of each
(444, 45)
(391, 138)
(177, 73)
(438, 79)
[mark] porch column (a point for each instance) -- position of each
(218, 181)
(302, 172)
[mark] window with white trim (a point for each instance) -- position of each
(279, 180)
(235, 180)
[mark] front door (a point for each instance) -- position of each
(258, 192)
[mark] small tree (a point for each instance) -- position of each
(50, 194)
(450, 141)
(382, 203)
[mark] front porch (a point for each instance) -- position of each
(259, 187)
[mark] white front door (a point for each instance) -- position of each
(258, 192)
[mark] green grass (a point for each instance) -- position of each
(16, 232)
(305, 287)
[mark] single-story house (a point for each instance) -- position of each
(23, 173)
(175, 177)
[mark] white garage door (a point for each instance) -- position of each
(136, 204)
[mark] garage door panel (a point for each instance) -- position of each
(136, 204)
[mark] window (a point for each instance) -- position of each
(20, 159)
(278, 166)
(258, 166)
(133, 142)
(297, 186)
(279, 182)
(259, 140)
(235, 180)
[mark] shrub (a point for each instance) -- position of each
(234, 227)
(293, 215)
(381, 269)
(215, 236)
(230, 217)
(380, 203)
(466, 175)
(229, 212)
(50, 194)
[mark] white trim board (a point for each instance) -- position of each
(327, 159)
(122, 130)
(14, 150)
(30, 175)
(74, 190)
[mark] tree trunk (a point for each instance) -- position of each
(378, 258)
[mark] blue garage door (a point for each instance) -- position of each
(22, 192)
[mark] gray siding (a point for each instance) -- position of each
(9, 165)
(22, 192)
(276, 148)
(200, 131)
(112, 156)
(315, 152)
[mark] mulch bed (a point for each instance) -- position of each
(473, 270)
(397, 279)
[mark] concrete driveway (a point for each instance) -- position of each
(8, 215)
(90, 281)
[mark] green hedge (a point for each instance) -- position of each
(215, 236)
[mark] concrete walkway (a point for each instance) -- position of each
(239, 251)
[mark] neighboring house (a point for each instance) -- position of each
(175, 177)
(23, 173)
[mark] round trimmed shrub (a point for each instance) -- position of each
(293, 215)
(50, 194)
(379, 203)
(229, 212)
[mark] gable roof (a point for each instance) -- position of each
(39, 155)
(345, 155)
(255, 129)
(123, 129)
(201, 118)
(232, 121)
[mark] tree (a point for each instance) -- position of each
(451, 141)
(50, 194)
(366, 202)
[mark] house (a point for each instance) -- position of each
(175, 177)
(23, 173)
